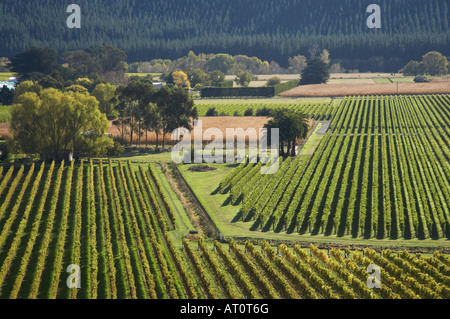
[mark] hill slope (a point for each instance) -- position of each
(264, 28)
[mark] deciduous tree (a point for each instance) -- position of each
(297, 63)
(222, 62)
(215, 77)
(24, 87)
(325, 56)
(57, 123)
(181, 79)
(413, 68)
(243, 78)
(197, 76)
(435, 63)
(105, 94)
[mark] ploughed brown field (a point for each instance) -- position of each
(4, 129)
(220, 122)
(333, 90)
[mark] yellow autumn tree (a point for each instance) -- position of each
(54, 124)
(181, 79)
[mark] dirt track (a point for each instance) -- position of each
(334, 90)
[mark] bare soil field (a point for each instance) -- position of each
(333, 90)
(441, 80)
(351, 81)
(219, 122)
(4, 129)
(335, 78)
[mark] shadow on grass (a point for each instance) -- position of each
(249, 216)
(227, 201)
(280, 227)
(238, 201)
(216, 191)
(238, 217)
(268, 226)
(255, 225)
(234, 165)
(141, 151)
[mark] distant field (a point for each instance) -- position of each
(254, 84)
(5, 113)
(261, 80)
(337, 78)
(289, 77)
(316, 108)
(408, 79)
(4, 129)
(365, 75)
(332, 90)
(144, 74)
(4, 76)
(353, 81)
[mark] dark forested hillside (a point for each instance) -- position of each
(270, 30)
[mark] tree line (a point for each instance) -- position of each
(199, 71)
(63, 109)
(432, 63)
